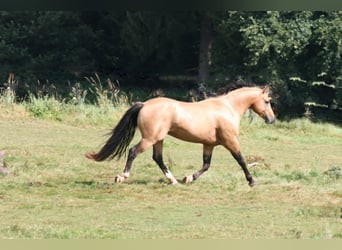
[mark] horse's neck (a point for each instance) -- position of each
(241, 100)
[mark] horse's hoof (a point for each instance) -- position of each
(252, 183)
(174, 182)
(188, 179)
(119, 179)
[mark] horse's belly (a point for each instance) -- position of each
(205, 137)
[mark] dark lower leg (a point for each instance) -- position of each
(158, 158)
(238, 157)
(206, 165)
(207, 152)
(132, 154)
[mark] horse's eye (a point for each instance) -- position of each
(267, 102)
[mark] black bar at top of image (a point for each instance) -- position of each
(112, 5)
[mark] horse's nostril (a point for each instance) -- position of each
(271, 121)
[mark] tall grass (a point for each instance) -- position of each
(299, 126)
(7, 96)
(8, 105)
(98, 104)
(104, 101)
(107, 97)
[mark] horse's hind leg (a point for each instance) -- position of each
(207, 153)
(158, 158)
(132, 154)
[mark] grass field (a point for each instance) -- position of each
(53, 191)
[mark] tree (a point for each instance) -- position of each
(299, 52)
(292, 50)
(44, 45)
(158, 42)
(204, 47)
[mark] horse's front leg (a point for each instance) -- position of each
(239, 158)
(207, 153)
(231, 143)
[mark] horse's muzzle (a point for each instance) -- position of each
(270, 120)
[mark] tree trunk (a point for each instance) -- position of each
(205, 46)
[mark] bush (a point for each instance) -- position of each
(45, 107)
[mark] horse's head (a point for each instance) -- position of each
(262, 105)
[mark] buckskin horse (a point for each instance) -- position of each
(211, 122)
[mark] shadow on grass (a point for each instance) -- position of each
(93, 184)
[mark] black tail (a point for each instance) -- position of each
(121, 136)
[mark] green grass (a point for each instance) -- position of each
(53, 191)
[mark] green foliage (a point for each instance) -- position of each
(43, 44)
(45, 107)
(275, 36)
(78, 108)
(142, 47)
(159, 42)
(327, 37)
(291, 50)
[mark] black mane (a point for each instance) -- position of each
(233, 86)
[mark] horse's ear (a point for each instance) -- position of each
(266, 89)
